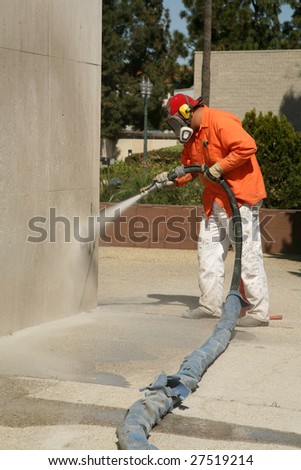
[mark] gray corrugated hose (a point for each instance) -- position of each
(168, 391)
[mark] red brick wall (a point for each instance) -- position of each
(159, 226)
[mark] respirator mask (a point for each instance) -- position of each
(180, 125)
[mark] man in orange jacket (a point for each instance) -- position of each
(217, 139)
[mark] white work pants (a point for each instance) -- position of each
(216, 235)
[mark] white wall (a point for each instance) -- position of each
(50, 55)
(137, 145)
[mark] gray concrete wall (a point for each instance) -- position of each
(264, 80)
(50, 54)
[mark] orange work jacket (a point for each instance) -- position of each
(221, 138)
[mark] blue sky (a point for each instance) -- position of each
(175, 6)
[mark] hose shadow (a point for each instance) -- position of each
(295, 273)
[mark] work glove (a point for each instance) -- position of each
(162, 179)
(214, 171)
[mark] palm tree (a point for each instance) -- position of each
(207, 51)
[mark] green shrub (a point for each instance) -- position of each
(279, 156)
(135, 174)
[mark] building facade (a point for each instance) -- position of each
(262, 80)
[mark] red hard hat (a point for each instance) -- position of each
(176, 101)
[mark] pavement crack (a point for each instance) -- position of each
(220, 430)
(28, 411)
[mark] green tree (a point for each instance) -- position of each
(238, 25)
(291, 30)
(136, 41)
(243, 25)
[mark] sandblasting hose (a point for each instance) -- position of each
(168, 391)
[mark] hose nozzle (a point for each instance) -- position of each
(150, 188)
(178, 172)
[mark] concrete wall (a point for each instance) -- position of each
(264, 80)
(50, 54)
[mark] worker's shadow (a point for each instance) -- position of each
(190, 301)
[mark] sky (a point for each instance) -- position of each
(175, 6)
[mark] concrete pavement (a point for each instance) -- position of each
(67, 384)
